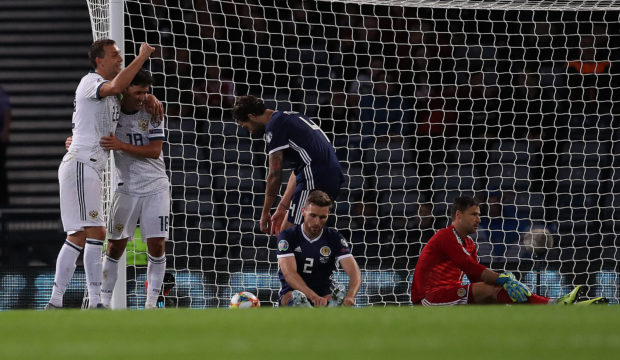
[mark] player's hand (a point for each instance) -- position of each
(349, 301)
(110, 142)
(265, 222)
(318, 301)
(68, 142)
(154, 107)
(146, 50)
(516, 290)
(276, 220)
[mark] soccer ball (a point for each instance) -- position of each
(244, 300)
(538, 240)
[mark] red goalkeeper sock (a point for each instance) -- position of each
(537, 299)
(503, 298)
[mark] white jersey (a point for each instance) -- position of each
(139, 175)
(93, 117)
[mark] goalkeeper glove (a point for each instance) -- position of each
(516, 290)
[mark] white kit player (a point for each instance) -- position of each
(96, 112)
(143, 190)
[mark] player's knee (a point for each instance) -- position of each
(95, 232)
(156, 246)
(484, 293)
(116, 248)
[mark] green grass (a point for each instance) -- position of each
(466, 332)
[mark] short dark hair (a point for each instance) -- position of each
(97, 50)
(142, 78)
(461, 204)
(246, 105)
(319, 198)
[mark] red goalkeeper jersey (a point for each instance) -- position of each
(443, 262)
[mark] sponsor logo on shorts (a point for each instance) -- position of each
(93, 214)
(461, 292)
(143, 124)
(283, 245)
(119, 227)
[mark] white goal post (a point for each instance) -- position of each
(513, 102)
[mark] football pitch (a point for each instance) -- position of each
(472, 332)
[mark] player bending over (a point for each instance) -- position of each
(293, 141)
(95, 114)
(451, 253)
(307, 255)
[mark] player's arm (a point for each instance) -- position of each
(154, 107)
(349, 265)
(152, 150)
(461, 259)
(123, 79)
(278, 216)
(288, 265)
(274, 180)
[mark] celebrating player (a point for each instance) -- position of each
(143, 191)
(307, 255)
(294, 141)
(450, 253)
(95, 115)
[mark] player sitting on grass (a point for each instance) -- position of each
(451, 253)
(307, 255)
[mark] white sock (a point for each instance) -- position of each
(110, 274)
(65, 266)
(155, 277)
(92, 267)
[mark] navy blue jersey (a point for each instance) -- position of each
(306, 150)
(316, 259)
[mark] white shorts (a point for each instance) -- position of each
(152, 210)
(80, 196)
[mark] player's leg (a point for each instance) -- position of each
(154, 225)
(72, 214)
(295, 216)
(65, 267)
(115, 250)
(95, 236)
(123, 220)
(483, 293)
(156, 269)
(454, 295)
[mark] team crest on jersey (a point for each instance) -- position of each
(93, 214)
(461, 292)
(119, 227)
(155, 122)
(143, 124)
(283, 245)
(326, 251)
(268, 136)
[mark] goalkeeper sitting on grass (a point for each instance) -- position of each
(451, 253)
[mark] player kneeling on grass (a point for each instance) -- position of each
(451, 252)
(143, 190)
(307, 255)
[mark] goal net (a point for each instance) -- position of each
(508, 101)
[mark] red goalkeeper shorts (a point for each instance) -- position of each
(447, 296)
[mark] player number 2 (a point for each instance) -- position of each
(308, 265)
